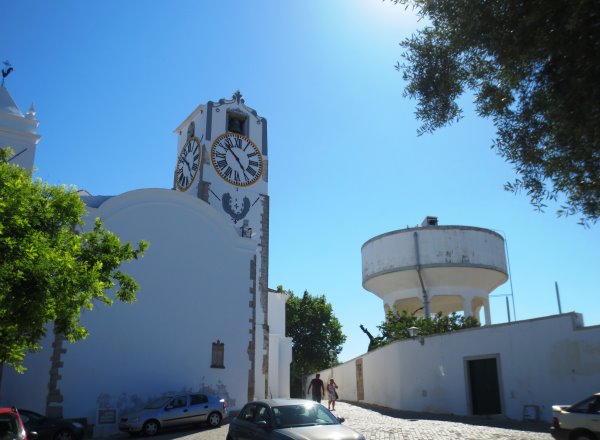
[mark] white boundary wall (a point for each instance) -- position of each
(541, 362)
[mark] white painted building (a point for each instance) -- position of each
(205, 319)
(516, 370)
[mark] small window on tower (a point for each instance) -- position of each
(218, 355)
(236, 123)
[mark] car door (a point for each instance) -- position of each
(241, 427)
(263, 423)
(584, 414)
(250, 424)
(594, 411)
(199, 408)
(176, 412)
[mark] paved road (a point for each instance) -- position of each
(379, 423)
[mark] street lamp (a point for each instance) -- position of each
(331, 355)
(413, 332)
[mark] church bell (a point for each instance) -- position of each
(236, 125)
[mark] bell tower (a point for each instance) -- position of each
(222, 159)
(17, 131)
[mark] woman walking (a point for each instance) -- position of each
(332, 394)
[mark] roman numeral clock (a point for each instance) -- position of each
(236, 159)
(222, 160)
(188, 164)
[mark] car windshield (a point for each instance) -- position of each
(30, 416)
(590, 405)
(289, 416)
(158, 403)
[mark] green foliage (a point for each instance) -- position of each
(534, 67)
(49, 272)
(396, 326)
(315, 331)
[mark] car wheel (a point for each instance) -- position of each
(582, 435)
(64, 434)
(214, 419)
(150, 428)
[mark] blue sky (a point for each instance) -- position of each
(111, 80)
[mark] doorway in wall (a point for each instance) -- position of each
(484, 386)
(360, 389)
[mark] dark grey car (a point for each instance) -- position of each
(285, 419)
(49, 428)
(176, 410)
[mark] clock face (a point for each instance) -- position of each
(187, 164)
(237, 159)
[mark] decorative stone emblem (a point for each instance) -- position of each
(237, 210)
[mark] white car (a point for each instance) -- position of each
(580, 421)
(175, 410)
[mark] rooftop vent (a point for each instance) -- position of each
(430, 221)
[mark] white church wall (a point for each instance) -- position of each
(280, 347)
(285, 361)
(540, 362)
(277, 301)
(36, 377)
(195, 290)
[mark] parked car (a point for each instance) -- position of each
(11, 426)
(288, 419)
(580, 421)
(50, 428)
(173, 411)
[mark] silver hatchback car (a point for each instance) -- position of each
(288, 419)
(173, 411)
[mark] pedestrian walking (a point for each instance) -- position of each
(332, 394)
(318, 389)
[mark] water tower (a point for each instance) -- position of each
(433, 268)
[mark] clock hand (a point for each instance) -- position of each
(188, 165)
(238, 161)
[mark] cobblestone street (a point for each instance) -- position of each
(379, 423)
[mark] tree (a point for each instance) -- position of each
(315, 331)
(49, 269)
(534, 67)
(396, 325)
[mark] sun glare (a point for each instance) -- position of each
(386, 13)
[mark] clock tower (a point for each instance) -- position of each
(222, 159)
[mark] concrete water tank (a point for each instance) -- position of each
(455, 266)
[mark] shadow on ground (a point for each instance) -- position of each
(173, 433)
(491, 421)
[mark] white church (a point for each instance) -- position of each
(205, 319)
